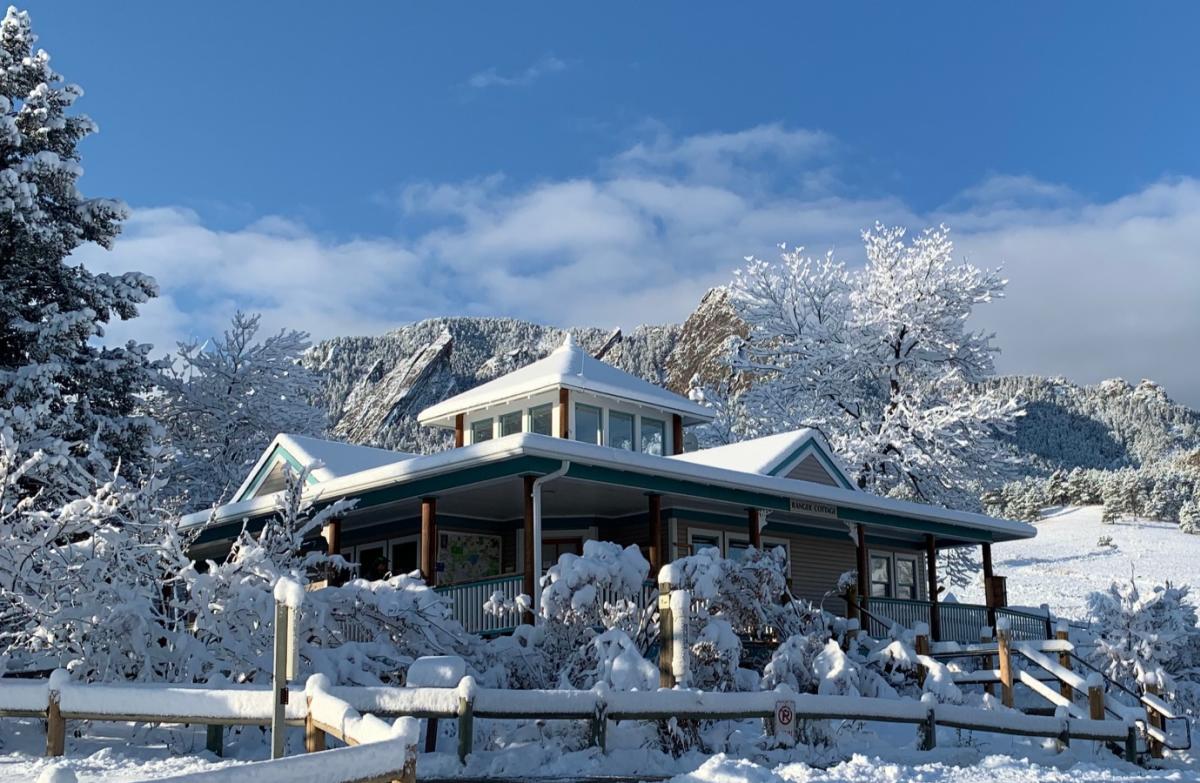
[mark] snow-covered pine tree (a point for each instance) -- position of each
(223, 400)
(60, 391)
(1189, 517)
(881, 361)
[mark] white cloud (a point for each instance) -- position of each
(492, 78)
(1097, 289)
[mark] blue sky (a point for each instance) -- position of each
(346, 169)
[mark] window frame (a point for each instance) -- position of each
(517, 415)
(641, 435)
(599, 440)
(479, 424)
(548, 409)
(622, 415)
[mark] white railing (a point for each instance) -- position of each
(467, 600)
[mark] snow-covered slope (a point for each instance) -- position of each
(1066, 560)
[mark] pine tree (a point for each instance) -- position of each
(222, 402)
(60, 392)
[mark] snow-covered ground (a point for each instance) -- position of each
(1065, 561)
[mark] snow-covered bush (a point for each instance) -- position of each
(1148, 633)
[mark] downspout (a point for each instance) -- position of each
(536, 491)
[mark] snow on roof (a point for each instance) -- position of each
(336, 459)
(765, 455)
(571, 367)
(499, 449)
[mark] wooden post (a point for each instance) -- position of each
(753, 528)
(935, 612)
(409, 773)
(985, 636)
(56, 727)
(1153, 718)
(1003, 636)
(988, 573)
(564, 415)
(314, 738)
(654, 517)
(1095, 698)
(529, 584)
(852, 612)
(332, 533)
(598, 736)
(460, 431)
(429, 540)
(214, 739)
(927, 731)
(666, 640)
(676, 434)
(864, 569)
(1062, 634)
(466, 728)
(921, 643)
(279, 687)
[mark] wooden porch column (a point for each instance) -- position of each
(988, 598)
(527, 586)
(754, 528)
(429, 540)
(332, 533)
(676, 434)
(654, 517)
(564, 415)
(864, 570)
(935, 613)
(459, 431)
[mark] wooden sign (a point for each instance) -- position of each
(812, 508)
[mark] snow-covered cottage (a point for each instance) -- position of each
(570, 448)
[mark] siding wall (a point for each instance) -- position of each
(811, 469)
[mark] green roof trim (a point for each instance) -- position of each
(670, 486)
(813, 446)
(278, 453)
(937, 529)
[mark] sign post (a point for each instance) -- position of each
(279, 678)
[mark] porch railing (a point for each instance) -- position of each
(467, 600)
(959, 622)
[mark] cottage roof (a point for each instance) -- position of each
(771, 455)
(329, 459)
(570, 367)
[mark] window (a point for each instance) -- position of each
(881, 576)
(510, 423)
(587, 423)
(735, 548)
(372, 562)
(700, 541)
(404, 557)
(654, 436)
(481, 430)
(541, 419)
(554, 548)
(620, 430)
(906, 578)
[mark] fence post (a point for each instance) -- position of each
(409, 773)
(1095, 686)
(666, 641)
(279, 681)
(214, 739)
(927, 731)
(1151, 686)
(1062, 633)
(466, 727)
(431, 733)
(314, 738)
(1003, 635)
(599, 728)
(921, 643)
(56, 727)
(985, 636)
(1131, 745)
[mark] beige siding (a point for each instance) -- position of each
(811, 469)
(816, 565)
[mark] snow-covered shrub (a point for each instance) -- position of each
(746, 593)
(619, 664)
(715, 654)
(1148, 633)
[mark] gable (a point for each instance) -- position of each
(810, 469)
(271, 475)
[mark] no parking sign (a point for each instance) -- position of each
(785, 721)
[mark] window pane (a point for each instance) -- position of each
(906, 578)
(510, 423)
(404, 557)
(481, 431)
(653, 436)
(620, 430)
(737, 549)
(700, 542)
(541, 419)
(587, 424)
(881, 576)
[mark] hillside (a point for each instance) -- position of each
(1066, 561)
(375, 386)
